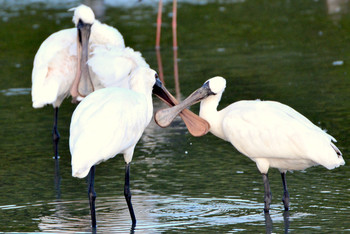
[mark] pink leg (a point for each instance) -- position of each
(176, 76)
(176, 70)
(160, 66)
(174, 24)
(159, 24)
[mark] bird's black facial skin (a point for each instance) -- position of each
(161, 92)
(206, 87)
(83, 27)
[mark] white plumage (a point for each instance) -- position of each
(111, 66)
(268, 132)
(108, 122)
(55, 63)
(271, 134)
(54, 68)
(111, 121)
(61, 66)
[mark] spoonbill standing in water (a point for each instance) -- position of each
(60, 65)
(111, 121)
(270, 133)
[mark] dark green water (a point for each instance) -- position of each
(295, 52)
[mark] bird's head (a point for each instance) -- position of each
(83, 13)
(213, 86)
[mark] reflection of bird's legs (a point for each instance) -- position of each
(159, 58)
(159, 24)
(127, 193)
(268, 223)
(174, 24)
(57, 179)
(160, 66)
(286, 221)
(176, 69)
(176, 76)
(285, 198)
(92, 196)
(55, 134)
(268, 195)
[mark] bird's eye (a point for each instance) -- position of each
(156, 76)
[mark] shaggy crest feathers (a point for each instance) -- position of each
(83, 13)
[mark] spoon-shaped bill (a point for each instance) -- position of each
(165, 116)
(82, 85)
(195, 124)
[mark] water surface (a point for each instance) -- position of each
(295, 52)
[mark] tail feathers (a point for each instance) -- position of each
(38, 105)
(81, 171)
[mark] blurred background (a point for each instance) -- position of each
(294, 52)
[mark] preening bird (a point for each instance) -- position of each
(112, 66)
(111, 121)
(60, 64)
(269, 133)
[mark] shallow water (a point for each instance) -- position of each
(295, 52)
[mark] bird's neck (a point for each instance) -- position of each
(147, 94)
(208, 111)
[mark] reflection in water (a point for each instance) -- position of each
(15, 91)
(176, 71)
(176, 76)
(269, 223)
(157, 213)
(160, 66)
(175, 46)
(57, 179)
(286, 221)
(182, 182)
(112, 215)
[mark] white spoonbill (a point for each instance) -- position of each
(270, 133)
(61, 62)
(111, 121)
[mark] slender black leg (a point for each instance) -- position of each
(285, 198)
(268, 195)
(127, 194)
(55, 134)
(92, 196)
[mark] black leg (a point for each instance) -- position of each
(55, 134)
(127, 194)
(92, 196)
(268, 195)
(285, 198)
